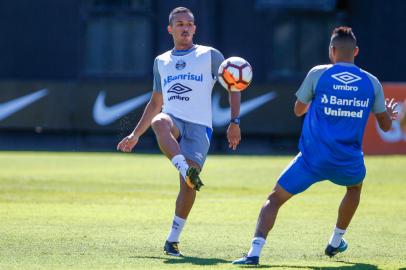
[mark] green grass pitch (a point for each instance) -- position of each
(113, 211)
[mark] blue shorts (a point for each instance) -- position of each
(299, 176)
(194, 140)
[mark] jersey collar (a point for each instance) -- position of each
(346, 64)
(183, 52)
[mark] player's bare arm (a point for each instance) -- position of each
(300, 108)
(233, 130)
(385, 118)
(153, 107)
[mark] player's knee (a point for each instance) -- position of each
(160, 124)
(355, 188)
(279, 196)
(274, 200)
(354, 192)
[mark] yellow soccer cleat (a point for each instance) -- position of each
(192, 179)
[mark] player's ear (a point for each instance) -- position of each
(330, 53)
(356, 51)
(169, 28)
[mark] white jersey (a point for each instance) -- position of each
(186, 82)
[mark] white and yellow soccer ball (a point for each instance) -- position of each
(235, 74)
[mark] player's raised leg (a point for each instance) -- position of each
(346, 211)
(166, 134)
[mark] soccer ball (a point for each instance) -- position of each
(235, 74)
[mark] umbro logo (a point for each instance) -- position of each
(179, 89)
(346, 77)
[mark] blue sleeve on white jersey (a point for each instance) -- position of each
(157, 78)
(216, 59)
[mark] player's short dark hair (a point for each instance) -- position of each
(343, 34)
(179, 10)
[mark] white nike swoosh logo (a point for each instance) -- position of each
(104, 115)
(221, 116)
(10, 107)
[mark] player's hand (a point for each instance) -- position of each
(233, 135)
(403, 117)
(391, 108)
(127, 144)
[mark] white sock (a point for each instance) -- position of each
(181, 165)
(336, 237)
(177, 226)
(256, 246)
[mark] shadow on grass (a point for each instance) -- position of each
(215, 261)
(185, 260)
(349, 266)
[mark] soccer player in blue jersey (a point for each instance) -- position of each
(179, 113)
(337, 100)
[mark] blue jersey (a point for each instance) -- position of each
(342, 97)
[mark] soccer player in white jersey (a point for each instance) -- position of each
(180, 113)
(337, 100)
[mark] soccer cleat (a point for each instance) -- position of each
(332, 251)
(171, 248)
(254, 260)
(192, 179)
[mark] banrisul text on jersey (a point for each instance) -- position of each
(189, 77)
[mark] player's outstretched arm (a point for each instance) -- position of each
(153, 107)
(300, 108)
(385, 118)
(233, 130)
